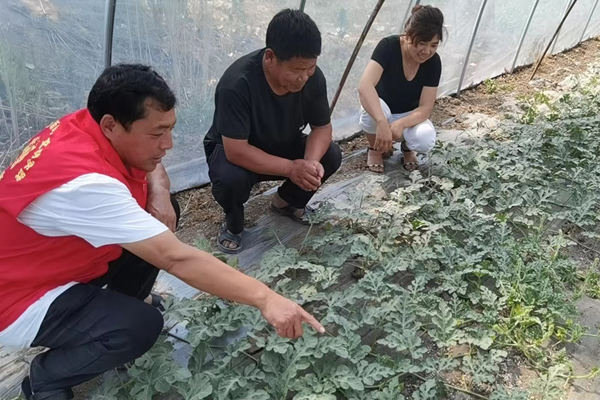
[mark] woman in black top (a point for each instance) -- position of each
(398, 90)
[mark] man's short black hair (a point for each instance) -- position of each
(122, 89)
(292, 33)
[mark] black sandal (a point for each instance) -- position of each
(289, 211)
(157, 301)
(232, 238)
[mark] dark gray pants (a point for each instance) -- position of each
(231, 184)
(90, 330)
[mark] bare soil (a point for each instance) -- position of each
(481, 99)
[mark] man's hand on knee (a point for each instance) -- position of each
(319, 170)
(306, 174)
(161, 208)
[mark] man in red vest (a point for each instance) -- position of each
(87, 205)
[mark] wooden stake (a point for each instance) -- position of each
(363, 35)
(537, 66)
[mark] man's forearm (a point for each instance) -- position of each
(208, 274)
(318, 142)
(158, 179)
(255, 160)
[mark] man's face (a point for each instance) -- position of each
(147, 140)
(292, 74)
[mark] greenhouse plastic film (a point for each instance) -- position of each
(497, 39)
(572, 29)
(191, 43)
(543, 25)
(50, 55)
(52, 51)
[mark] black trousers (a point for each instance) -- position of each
(231, 184)
(90, 330)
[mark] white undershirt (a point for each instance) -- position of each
(94, 207)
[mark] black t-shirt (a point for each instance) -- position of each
(399, 94)
(247, 108)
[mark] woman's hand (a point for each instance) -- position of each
(383, 137)
(397, 128)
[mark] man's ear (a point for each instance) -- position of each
(270, 57)
(109, 126)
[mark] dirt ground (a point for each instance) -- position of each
(202, 216)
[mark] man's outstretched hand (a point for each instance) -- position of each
(287, 316)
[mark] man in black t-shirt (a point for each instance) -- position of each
(263, 103)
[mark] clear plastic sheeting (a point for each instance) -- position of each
(191, 43)
(572, 29)
(50, 54)
(593, 28)
(51, 51)
(545, 20)
(272, 229)
(497, 39)
(460, 18)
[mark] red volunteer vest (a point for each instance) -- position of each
(32, 264)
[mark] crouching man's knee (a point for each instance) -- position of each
(332, 159)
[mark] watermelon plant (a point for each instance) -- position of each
(454, 277)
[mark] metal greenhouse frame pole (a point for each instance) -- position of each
(473, 35)
(108, 31)
(588, 21)
(512, 68)
(361, 39)
(302, 5)
(564, 14)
